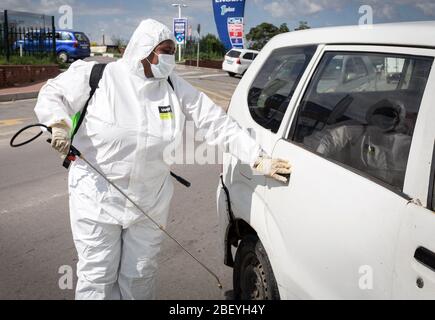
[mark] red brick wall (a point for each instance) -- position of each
(17, 75)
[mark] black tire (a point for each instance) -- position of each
(232, 74)
(253, 277)
(63, 56)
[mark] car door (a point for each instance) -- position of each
(259, 104)
(340, 214)
(48, 42)
(246, 59)
(414, 275)
(31, 41)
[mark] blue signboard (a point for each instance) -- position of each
(180, 29)
(229, 18)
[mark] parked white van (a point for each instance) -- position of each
(356, 219)
(237, 61)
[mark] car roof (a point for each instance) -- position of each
(244, 50)
(418, 34)
(71, 31)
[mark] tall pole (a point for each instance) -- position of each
(6, 34)
(53, 34)
(199, 40)
(179, 46)
(179, 5)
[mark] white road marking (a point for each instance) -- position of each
(34, 203)
(8, 103)
(205, 76)
(182, 74)
(9, 134)
(12, 122)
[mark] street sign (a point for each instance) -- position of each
(180, 29)
(235, 31)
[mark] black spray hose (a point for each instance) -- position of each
(74, 153)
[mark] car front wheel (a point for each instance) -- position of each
(63, 56)
(253, 278)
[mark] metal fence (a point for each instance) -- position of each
(25, 34)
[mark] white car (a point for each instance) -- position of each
(356, 219)
(237, 61)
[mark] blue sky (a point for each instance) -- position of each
(120, 18)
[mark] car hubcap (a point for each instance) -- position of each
(63, 57)
(253, 281)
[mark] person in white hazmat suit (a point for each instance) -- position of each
(124, 135)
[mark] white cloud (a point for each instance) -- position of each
(51, 7)
(295, 8)
(427, 8)
(197, 6)
(382, 8)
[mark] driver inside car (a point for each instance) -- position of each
(377, 148)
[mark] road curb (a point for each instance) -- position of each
(18, 96)
(200, 68)
(32, 95)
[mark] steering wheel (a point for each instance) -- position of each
(338, 110)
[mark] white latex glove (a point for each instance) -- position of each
(60, 140)
(274, 168)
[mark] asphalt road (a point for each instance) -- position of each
(35, 235)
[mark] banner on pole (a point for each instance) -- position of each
(229, 19)
(180, 30)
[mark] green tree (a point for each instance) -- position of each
(119, 42)
(303, 25)
(261, 34)
(212, 47)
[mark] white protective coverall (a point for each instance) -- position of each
(124, 136)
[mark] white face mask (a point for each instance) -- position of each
(164, 68)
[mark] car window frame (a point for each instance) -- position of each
(256, 67)
(364, 48)
(70, 35)
(250, 53)
(302, 82)
(78, 34)
(431, 189)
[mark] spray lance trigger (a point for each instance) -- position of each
(72, 156)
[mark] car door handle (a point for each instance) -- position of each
(425, 257)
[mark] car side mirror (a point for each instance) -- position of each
(350, 77)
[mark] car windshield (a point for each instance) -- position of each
(233, 54)
(81, 37)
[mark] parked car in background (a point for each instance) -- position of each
(393, 66)
(70, 45)
(237, 61)
(356, 218)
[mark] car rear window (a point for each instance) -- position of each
(361, 109)
(233, 54)
(81, 37)
(66, 36)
